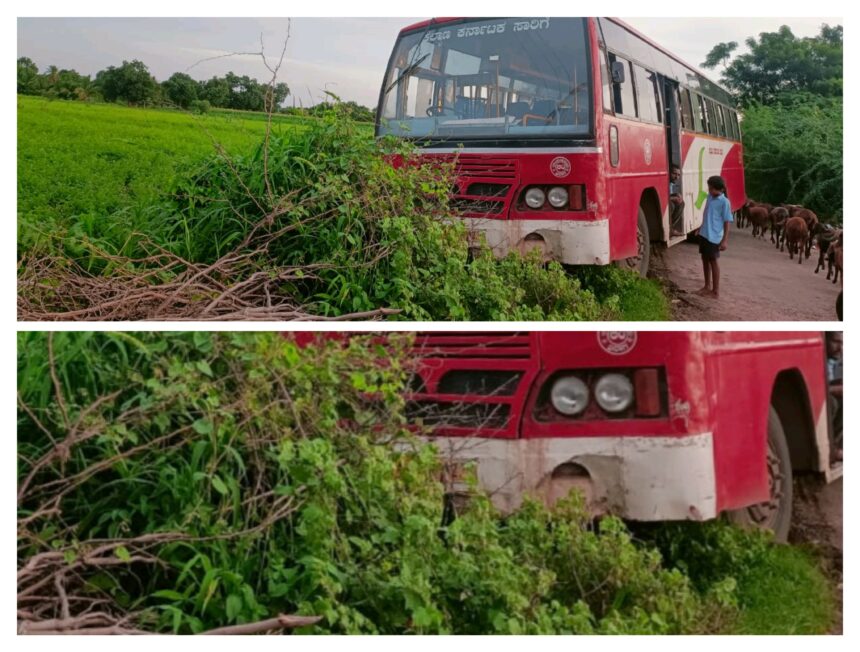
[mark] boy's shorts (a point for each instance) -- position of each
(708, 249)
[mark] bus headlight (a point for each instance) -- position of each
(614, 392)
(569, 395)
(535, 198)
(557, 197)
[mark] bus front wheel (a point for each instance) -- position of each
(639, 263)
(775, 513)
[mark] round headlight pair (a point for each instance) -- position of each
(536, 197)
(613, 393)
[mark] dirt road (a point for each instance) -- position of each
(758, 283)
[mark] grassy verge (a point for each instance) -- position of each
(773, 588)
(786, 593)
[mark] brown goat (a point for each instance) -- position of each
(759, 218)
(744, 216)
(796, 236)
(811, 220)
(834, 258)
(778, 216)
(824, 235)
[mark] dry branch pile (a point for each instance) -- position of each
(244, 284)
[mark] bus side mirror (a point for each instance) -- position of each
(618, 76)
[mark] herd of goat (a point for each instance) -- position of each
(797, 229)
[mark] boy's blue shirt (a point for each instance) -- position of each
(718, 211)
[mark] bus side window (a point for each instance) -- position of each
(733, 120)
(712, 118)
(730, 125)
(687, 110)
(625, 102)
(721, 121)
(607, 83)
(701, 115)
(646, 89)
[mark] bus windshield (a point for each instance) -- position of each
(515, 77)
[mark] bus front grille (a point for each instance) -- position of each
(472, 344)
(487, 168)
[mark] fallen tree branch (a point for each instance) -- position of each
(101, 624)
(280, 622)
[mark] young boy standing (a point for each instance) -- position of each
(714, 234)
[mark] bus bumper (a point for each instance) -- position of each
(638, 478)
(572, 242)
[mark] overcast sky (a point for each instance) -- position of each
(346, 56)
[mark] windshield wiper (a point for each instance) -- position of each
(408, 70)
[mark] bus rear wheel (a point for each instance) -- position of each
(639, 263)
(775, 513)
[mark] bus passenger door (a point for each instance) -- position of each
(673, 123)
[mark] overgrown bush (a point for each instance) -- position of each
(371, 223)
(793, 153)
(200, 106)
(189, 480)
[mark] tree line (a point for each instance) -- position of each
(132, 83)
(790, 93)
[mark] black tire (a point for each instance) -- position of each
(640, 262)
(775, 513)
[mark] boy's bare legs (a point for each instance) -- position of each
(706, 269)
(715, 275)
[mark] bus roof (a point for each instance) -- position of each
(441, 21)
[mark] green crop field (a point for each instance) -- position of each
(80, 162)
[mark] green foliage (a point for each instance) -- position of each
(242, 93)
(353, 109)
(793, 153)
(287, 491)
(200, 106)
(28, 74)
(776, 589)
(779, 62)
(636, 299)
(786, 593)
(181, 89)
(719, 54)
(791, 91)
(130, 83)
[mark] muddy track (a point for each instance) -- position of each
(758, 283)
(817, 523)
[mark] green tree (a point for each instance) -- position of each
(216, 91)
(246, 94)
(719, 54)
(181, 89)
(779, 62)
(69, 85)
(28, 76)
(130, 82)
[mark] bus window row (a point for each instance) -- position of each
(634, 92)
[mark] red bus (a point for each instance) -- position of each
(563, 132)
(651, 426)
